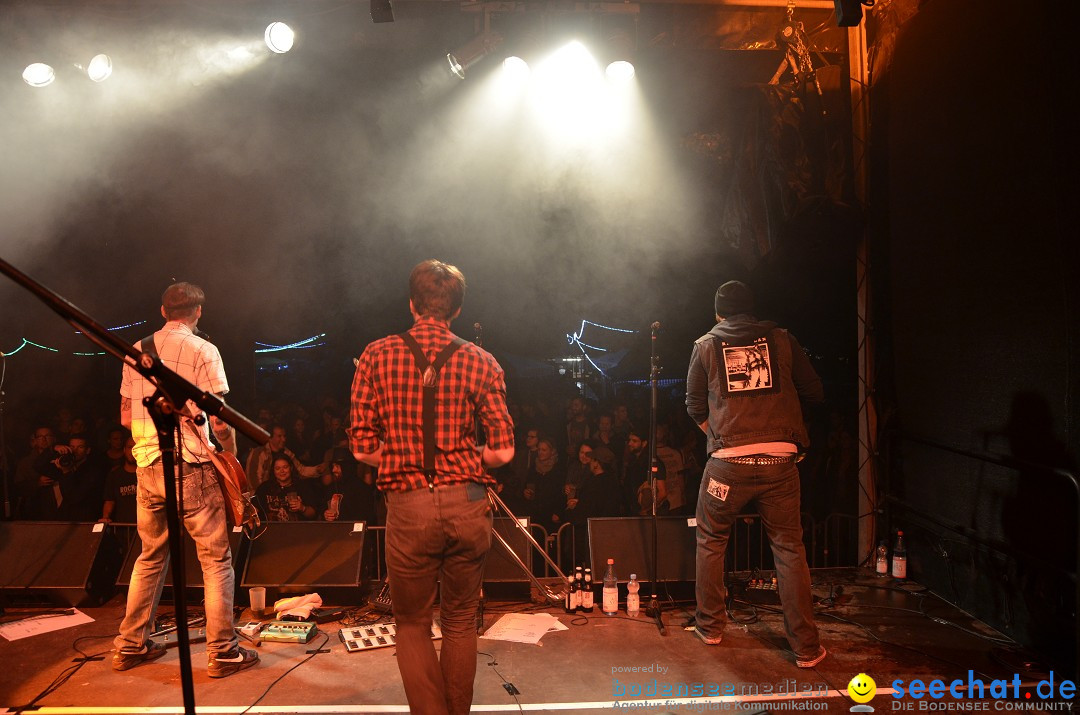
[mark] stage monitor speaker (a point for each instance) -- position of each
(192, 571)
(848, 12)
(296, 557)
(74, 564)
(629, 540)
(500, 567)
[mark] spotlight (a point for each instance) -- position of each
(279, 37)
(382, 11)
(100, 68)
(39, 74)
(472, 52)
(515, 69)
(620, 49)
(620, 71)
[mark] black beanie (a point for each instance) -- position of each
(734, 298)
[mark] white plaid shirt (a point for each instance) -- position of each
(193, 359)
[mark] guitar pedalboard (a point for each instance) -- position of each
(378, 635)
(288, 631)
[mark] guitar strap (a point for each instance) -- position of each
(429, 375)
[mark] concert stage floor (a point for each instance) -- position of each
(881, 627)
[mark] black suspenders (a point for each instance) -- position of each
(429, 373)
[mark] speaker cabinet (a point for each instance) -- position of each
(629, 540)
(500, 567)
(193, 575)
(298, 557)
(73, 564)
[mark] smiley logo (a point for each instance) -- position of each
(861, 688)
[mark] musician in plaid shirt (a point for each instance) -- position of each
(438, 521)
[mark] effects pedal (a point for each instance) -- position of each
(378, 635)
(381, 601)
(251, 628)
(762, 591)
(288, 631)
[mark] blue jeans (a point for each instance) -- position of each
(204, 519)
(432, 535)
(726, 490)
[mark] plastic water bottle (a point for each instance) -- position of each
(633, 600)
(881, 561)
(899, 557)
(611, 590)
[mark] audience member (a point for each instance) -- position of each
(287, 497)
(260, 460)
(115, 453)
(27, 476)
(120, 489)
(578, 428)
(344, 495)
(635, 483)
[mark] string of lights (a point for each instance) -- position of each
(299, 344)
(312, 342)
(575, 339)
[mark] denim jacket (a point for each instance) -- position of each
(747, 377)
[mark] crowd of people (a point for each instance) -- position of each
(577, 458)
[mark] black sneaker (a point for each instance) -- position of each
(125, 659)
(224, 664)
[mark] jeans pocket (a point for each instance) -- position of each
(143, 496)
(475, 491)
(193, 492)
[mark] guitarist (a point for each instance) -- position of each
(198, 361)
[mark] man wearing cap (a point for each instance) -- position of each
(198, 361)
(417, 399)
(746, 381)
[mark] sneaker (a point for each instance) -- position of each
(706, 639)
(812, 660)
(125, 658)
(228, 663)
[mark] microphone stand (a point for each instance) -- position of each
(653, 610)
(478, 331)
(172, 393)
(7, 482)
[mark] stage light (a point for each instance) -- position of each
(39, 74)
(620, 71)
(472, 52)
(279, 37)
(515, 69)
(572, 65)
(620, 50)
(100, 68)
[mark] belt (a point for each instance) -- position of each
(759, 459)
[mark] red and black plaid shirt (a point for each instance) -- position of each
(387, 409)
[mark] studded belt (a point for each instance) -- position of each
(759, 459)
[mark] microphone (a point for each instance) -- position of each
(479, 330)
(656, 327)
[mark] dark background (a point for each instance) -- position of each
(300, 193)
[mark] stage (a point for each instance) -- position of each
(887, 629)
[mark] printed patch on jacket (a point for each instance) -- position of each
(718, 489)
(749, 369)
